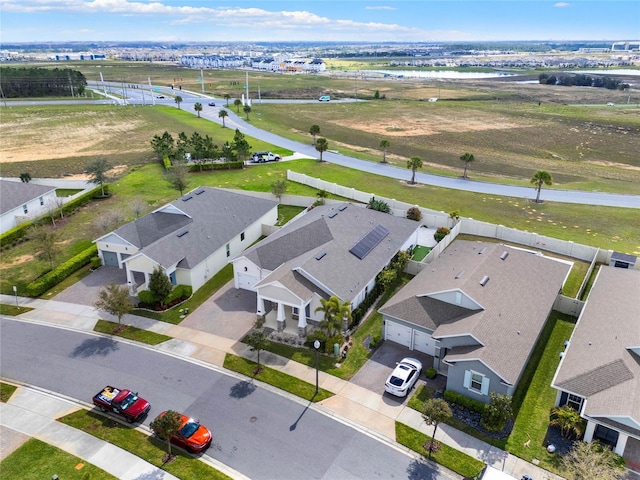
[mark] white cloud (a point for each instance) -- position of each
(562, 5)
(381, 7)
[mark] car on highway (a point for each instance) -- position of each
(262, 157)
(159, 96)
(212, 104)
(191, 436)
(403, 377)
(324, 98)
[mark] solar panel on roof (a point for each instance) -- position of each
(369, 241)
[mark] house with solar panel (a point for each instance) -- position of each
(477, 311)
(191, 239)
(330, 250)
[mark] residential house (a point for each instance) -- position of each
(599, 374)
(191, 239)
(330, 250)
(20, 202)
(478, 309)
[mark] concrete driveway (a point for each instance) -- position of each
(375, 371)
(85, 292)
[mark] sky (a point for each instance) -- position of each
(320, 20)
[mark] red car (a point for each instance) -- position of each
(123, 402)
(192, 436)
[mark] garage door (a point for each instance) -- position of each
(110, 258)
(423, 342)
(398, 333)
(246, 281)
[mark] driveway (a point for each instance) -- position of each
(85, 292)
(375, 371)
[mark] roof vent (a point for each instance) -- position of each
(343, 207)
(459, 274)
(320, 255)
(332, 214)
(484, 280)
(200, 191)
(504, 255)
(484, 249)
(183, 233)
(186, 199)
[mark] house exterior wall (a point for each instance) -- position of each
(278, 293)
(246, 274)
(456, 380)
(117, 245)
(36, 207)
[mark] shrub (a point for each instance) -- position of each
(146, 297)
(441, 233)
(96, 262)
(328, 347)
(414, 213)
(179, 292)
(463, 401)
(379, 205)
(431, 373)
(497, 413)
(62, 271)
(377, 340)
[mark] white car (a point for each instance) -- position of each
(403, 377)
(261, 157)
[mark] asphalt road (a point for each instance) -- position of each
(258, 432)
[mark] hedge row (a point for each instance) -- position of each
(62, 271)
(217, 166)
(13, 236)
(459, 399)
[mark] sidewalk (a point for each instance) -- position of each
(351, 404)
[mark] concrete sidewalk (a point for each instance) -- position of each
(352, 404)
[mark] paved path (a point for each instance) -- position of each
(364, 409)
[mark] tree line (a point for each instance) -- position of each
(30, 82)
(581, 80)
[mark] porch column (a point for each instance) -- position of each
(622, 443)
(302, 321)
(130, 282)
(280, 318)
(588, 432)
(260, 307)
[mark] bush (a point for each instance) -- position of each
(377, 340)
(179, 292)
(96, 262)
(146, 297)
(62, 271)
(431, 373)
(463, 401)
(497, 413)
(441, 233)
(414, 213)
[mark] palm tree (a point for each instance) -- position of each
(539, 178)
(414, 164)
(467, 158)
(384, 144)
(198, 108)
(223, 114)
(247, 110)
(237, 102)
(321, 145)
(568, 420)
(314, 130)
(337, 315)
(227, 97)
(178, 100)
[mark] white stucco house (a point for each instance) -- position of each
(478, 310)
(599, 373)
(330, 250)
(20, 202)
(191, 239)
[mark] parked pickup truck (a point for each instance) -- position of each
(123, 402)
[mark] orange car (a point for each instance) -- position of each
(192, 436)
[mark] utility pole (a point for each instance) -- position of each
(202, 79)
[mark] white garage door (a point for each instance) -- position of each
(423, 342)
(398, 333)
(246, 282)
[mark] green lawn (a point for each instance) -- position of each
(419, 252)
(6, 391)
(39, 460)
(13, 310)
(131, 333)
(148, 448)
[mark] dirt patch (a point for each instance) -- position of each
(17, 261)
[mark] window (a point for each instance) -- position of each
(476, 382)
(25, 209)
(41, 201)
(574, 402)
(242, 236)
(606, 436)
(228, 250)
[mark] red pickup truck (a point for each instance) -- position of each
(123, 402)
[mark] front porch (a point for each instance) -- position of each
(288, 323)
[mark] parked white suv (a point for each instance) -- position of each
(261, 157)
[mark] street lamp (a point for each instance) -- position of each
(316, 345)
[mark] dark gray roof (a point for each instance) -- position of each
(514, 302)
(189, 231)
(338, 271)
(624, 257)
(602, 361)
(14, 194)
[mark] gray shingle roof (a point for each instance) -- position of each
(599, 363)
(342, 273)
(515, 302)
(210, 219)
(14, 194)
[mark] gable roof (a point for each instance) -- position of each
(14, 194)
(502, 319)
(187, 231)
(600, 363)
(317, 247)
